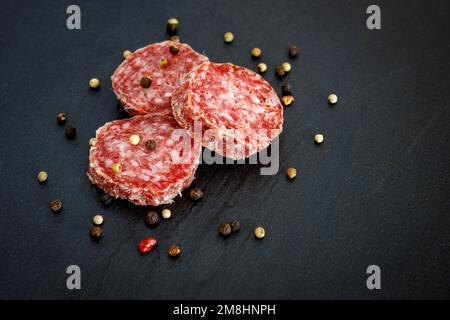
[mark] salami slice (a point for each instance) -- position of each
(164, 64)
(238, 110)
(147, 159)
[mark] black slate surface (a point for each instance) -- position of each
(375, 192)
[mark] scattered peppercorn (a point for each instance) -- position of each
(106, 199)
(293, 51)
(92, 142)
(97, 220)
(166, 213)
(260, 232)
(174, 250)
(96, 232)
(150, 144)
(163, 63)
(225, 229)
(117, 167)
(134, 139)
(286, 66)
(291, 173)
(196, 194)
(174, 49)
(175, 38)
(56, 205)
(146, 82)
(287, 100)
(332, 99)
(172, 25)
(286, 88)
(279, 71)
(235, 225)
(94, 83)
(70, 132)
(61, 118)
(318, 138)
(228, 37)
(42, 176)
(127, 53)
(262, 67)
(256, 53)
(147, 244)
(151, 218)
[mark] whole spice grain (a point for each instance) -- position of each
(96, 232)
(151, 218)
(92, 142)
(134, 139)
(228, 37)
(225, 229)
(332, 99)
(174, 49)
(145, 82)
(70, 132)
(94, 83)
(174, 251)
(291, 173)
(262, 67)
(163, 63)
(106, 199)
(318, 138)
(172, 25)
(286, 88)
(196, 194)
(61, 118)
(279, 72)
(117, 167)
(127, 53)
(97, 220)
(56, 205)
(235, 225)
(287, 100)
(256, 53)
(286, 66)
(175, 38)
(259, 232)
(166, 213)
(42, 176)
(150, 144)
(293, 51)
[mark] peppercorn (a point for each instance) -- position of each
(92, 142)
(260, 232)
(196, 194)
(117, 167)
(318, 138)
(174, 250)
(166, 213)
(293, 51)
(287, 100)
(127, 53)
(163, 63)
(286, 88)
(146, 82)
(61, 118)
(56, 205)
(174, 49)
(225, 229)
(150, 144)
(70, 132)
(228, 37)
(256, 53)
(147, 244)
(332, 99)
(97, 220)
(134, 139)
(106, 199)
(291, 173)
(262, 67)
(94, 83)
(96, 232)
(175, 38)
(172, 25)
(235, 225)
(286, 66)
(279, 71)
(151, 218)
(42, 176)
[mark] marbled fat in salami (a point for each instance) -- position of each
(136, 172)
(149, 62)
(238, 110)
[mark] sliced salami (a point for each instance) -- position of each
(147, 160)
(163, 65)
(239, 112)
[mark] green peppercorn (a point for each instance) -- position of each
(279, 71)
(61, 118)
(151, 218)
(96, 232)
(225, 229)
(196, 194)
(70, 132)
(106, 199)
(235, 225)
(150, 144)
(146, 82)
(174, 49)
(56, 205)
(293, 51)
(286, 89)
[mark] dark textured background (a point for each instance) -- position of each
(376, 192)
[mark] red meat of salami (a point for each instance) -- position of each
(164, 64)
(147, 160)
(238, 110)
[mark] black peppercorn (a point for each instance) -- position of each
(196, 194)
(286, 89)
(235, 225)
(106, 199)
(174, 49)
(225, 229)
(96, 232)
(150, 144)
(56, 205)
(70, 132)
(293, 51)
(146, 82)
(279, 71)
(61, 118)
(151, 218)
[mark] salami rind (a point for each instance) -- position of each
(145, 177)
(239, 112)
(146, 61)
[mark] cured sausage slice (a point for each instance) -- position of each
(149, 170)
(238, 110)
(164, 64)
